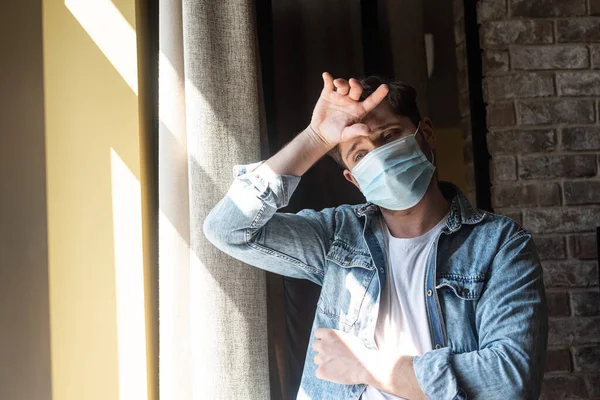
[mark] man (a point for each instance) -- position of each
(423, 296)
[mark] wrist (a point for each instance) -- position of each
(378, 369)
(318, 138)
(393, 375)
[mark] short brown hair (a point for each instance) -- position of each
(402, 99)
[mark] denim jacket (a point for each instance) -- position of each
(484, 290)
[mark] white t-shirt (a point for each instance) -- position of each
(402, 327)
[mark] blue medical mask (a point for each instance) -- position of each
(396, 175)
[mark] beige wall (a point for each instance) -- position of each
(73, 282)
(94, 203)
(24, 325)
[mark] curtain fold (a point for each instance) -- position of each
(213, 321)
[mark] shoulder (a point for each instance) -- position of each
(505, 226)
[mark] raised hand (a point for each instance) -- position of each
(338, 113)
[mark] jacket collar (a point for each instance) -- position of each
(461, 210)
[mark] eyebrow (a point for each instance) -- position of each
(386, 126)
(378, 129)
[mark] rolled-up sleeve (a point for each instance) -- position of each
(246, 225)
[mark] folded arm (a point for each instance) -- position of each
(512, 324)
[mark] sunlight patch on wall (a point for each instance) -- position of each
(111, 32)
(129, 276)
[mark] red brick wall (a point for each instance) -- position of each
(541, 66)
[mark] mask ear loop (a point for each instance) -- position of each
(422, 134)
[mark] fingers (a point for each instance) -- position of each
(341, 86)
(327, 81)
(352, 131)
(355, 89)
(375, 98)
(352, 88)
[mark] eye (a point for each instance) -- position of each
(359, 156)
(389, 135)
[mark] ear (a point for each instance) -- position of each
(428, 132)
(350, 178)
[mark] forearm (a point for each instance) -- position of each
(299, 155)
(245, 225)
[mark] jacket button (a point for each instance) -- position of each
(465, 291)
(438, 346)
(381, 270)
(348, 259)
(429, 293)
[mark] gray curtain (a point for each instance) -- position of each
(213, 322)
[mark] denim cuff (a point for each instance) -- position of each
(435, 376)
(273, 189)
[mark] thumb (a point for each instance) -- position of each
(355, 130)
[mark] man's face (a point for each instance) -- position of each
(385, 127)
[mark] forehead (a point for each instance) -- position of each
(382, 115)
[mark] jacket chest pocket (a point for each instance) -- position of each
(348, 276)
(464, 288)
(459, 296)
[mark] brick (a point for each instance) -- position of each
(495, 62)
(585, 304)
(581, 138)
(558, 361)
(566, 387)
(583, 247)
(491, 9)
(535, 194)
(504, 168)
(578, 30)
(521, 141)
(578, 83)
(570, 274)
(551, 167)
(519, 85)
(551, 247)
(547, 8)
(568, 331)
(595, 10)
(517, 32)
(558, 304)
(561, 220)
(532, 112)
(549, 57)
(595, 50)
(582, 192)
(502, 114)
(512, 214)
(587, 358)
(593, 385)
